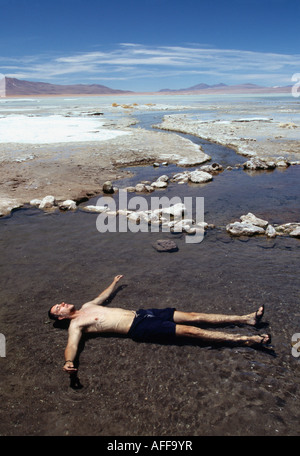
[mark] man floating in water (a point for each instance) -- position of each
(143, 325)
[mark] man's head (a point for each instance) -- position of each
(61, 311)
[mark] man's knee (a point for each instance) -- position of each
(186, 331)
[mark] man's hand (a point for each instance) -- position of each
(69, 367)
(117, 278)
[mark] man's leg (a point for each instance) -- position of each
(221, 337)
(194, 317)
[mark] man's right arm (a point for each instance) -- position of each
(71, 349)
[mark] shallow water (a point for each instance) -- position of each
(154, 389)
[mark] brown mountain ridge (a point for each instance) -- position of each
(12, 87)
(16, 87)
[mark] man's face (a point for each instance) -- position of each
(62, 310)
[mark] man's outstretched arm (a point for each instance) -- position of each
(107, 292)
(71, 349)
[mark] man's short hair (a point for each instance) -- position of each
(51, 315)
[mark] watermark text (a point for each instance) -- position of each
(2, 346)
(155, 214)
(296, 86)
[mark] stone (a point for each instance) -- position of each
(251, 218)
(175, 211)
(180, 226)
(149, 189)
(140, 188)
(200, 177)
(295, 232)
(134, 217)
(158, 184)
(165, 245)
(68, 205)
(244, 229)
(35, 202)
(123, 212)
(108, 187)
(47, 202)
(163, 178)
(213, 168)
(287, 228)
(282, 164)
(99, 209)
(258, 163)
(270, 231)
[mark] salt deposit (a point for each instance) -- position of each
(54, 129)
(257, 136)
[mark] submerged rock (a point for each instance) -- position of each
(165, 245)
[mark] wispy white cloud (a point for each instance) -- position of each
(129, 61)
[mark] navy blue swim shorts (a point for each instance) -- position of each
(152, 323)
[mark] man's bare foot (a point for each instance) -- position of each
(256, 317)
(259, 340)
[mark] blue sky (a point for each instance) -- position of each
(148, 45)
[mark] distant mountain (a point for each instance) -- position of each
(17, 87)
(11, 87)
(223, 88)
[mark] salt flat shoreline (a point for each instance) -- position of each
(253, 136)
(77, 170)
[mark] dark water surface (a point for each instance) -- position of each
(154, 389)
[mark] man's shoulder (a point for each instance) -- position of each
(89, 304)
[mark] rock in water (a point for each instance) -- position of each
(251, 218)
(244, 229)
(108, 187)
(165, 245)
(200, 177)
(47, 202)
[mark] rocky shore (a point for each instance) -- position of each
(61, 176)
(77, 171)
(260, 137)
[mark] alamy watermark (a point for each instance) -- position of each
(2, 85)
(296, 345)
(155, 214)
(2, 346)
(296, 79)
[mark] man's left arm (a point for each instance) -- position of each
(107, 292)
